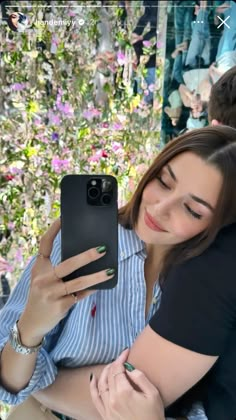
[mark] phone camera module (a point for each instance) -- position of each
(106, 199)
(106, 185)
(100, 191)
(93, 193)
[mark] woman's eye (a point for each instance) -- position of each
(163, 183)
(193, 213)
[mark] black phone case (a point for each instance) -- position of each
(85, 226)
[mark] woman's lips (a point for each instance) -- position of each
(151, 223)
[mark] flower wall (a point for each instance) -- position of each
(67, 105)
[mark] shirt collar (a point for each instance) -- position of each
(129, 243)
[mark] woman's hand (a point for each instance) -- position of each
(123, 395)
(49, 297)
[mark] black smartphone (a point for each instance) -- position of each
(89, 218)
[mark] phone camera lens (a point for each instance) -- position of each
(93, 193)
(106, 199)
(106, 185)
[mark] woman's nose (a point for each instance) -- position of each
(163, 208)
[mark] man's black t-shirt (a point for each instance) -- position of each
(198, 312)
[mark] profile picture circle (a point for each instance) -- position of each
(17, 22)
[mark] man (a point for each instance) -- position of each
(220, 391)
(222, 103)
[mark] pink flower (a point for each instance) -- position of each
(151, 87)
(102, 142)
(18, 86)
(105, 125)
(11, 225)
(18, 256)
(65, 108)
(54, 118)
(60, 165)
(117, 126)
(10, 268)
(121, 59)
(97, 156)
(91, 113)
(55, 40)
(147, 44)
(116, 146)
(15, 171)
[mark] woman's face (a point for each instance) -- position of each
(14, 19)
(179, 203)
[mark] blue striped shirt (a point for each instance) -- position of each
(86, 336)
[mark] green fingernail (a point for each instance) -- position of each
(129, 367)
(110, 271)
(101, 249)
(91, 377)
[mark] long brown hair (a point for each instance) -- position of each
(216, 145)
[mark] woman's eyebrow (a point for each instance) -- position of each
(194, 197)
(201, 201)
(171, 172)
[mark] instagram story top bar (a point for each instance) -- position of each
(88, 5)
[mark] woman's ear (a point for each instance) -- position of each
(215, 122)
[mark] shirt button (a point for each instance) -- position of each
(122, 254)
(154, 300)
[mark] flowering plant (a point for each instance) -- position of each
(67, 107)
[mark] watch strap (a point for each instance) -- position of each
(16, 344)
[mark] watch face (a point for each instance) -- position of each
(15, 342)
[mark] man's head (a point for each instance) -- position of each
(222, 103)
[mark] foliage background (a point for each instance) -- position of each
(51, 123)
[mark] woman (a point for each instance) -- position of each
(17, 22)
(171, 217)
